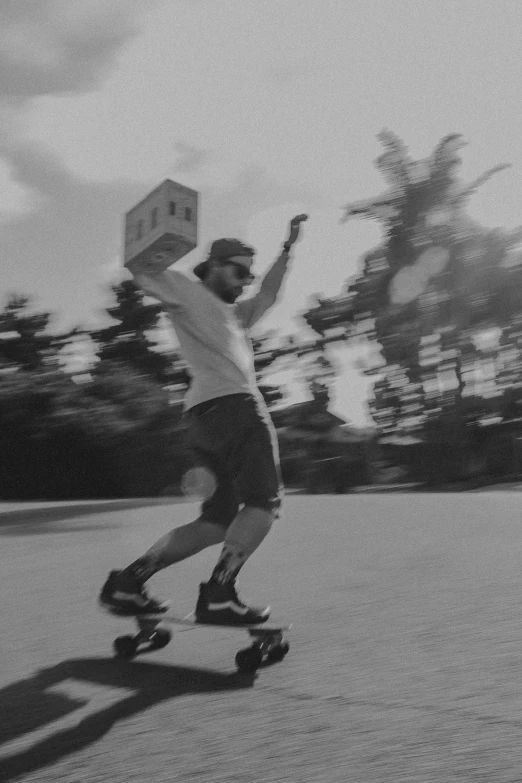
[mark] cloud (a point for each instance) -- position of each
(58, 46)
(61, 252)
(69, 247)
(284, 72)
(189, 158)
(14, 198)
(228, 209)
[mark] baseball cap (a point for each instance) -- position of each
(224, 248)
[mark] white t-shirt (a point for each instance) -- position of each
(213, 335)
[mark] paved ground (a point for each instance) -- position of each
(405, 661)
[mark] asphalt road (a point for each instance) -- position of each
(405, 660)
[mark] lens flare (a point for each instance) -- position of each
(199, 483)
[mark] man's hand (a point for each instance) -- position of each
(295, 225)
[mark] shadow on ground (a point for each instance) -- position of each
(41, 519)
(30, 708)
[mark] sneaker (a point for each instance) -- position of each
(122, 594)
(220, 605)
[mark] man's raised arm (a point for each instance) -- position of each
(252, 309)
(155, 279)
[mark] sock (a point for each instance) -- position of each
(142, 569)
(229, 564)
(243, 537)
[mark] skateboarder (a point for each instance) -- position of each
(229, 429)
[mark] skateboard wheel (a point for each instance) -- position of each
(160, 638)
(125, 647)
(278, 652)
(249, 660)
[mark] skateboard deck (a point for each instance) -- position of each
(269, 645)
(190, 621)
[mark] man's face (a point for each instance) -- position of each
(231, 275)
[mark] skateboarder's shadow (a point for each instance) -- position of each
(27, 706)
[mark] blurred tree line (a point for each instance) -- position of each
(108, 425)
(440, 303)
(106, 431)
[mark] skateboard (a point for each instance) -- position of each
(268, 646)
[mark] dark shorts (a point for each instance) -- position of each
(235, 438)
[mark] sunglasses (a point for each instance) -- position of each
(239, 270)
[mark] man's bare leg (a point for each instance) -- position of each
(241, 540)
(124, 591)
(245, 534)
(218, 601)
(175, 546)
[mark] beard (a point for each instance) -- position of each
(230, 295)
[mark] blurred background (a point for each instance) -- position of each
(393, 357)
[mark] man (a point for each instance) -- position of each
(229, 428)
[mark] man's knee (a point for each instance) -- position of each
(221, 509)
(272, 505)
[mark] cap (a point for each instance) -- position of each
(224, 248)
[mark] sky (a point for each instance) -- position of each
(268, 108)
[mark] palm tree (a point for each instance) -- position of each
(436, 273)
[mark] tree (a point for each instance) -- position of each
(319, 375)
(25, 342)
(435, 281)
(265, 356)
(115, 436)
(127, 340)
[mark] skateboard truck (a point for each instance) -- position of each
(268, 645)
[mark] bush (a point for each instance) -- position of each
(115, 436)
